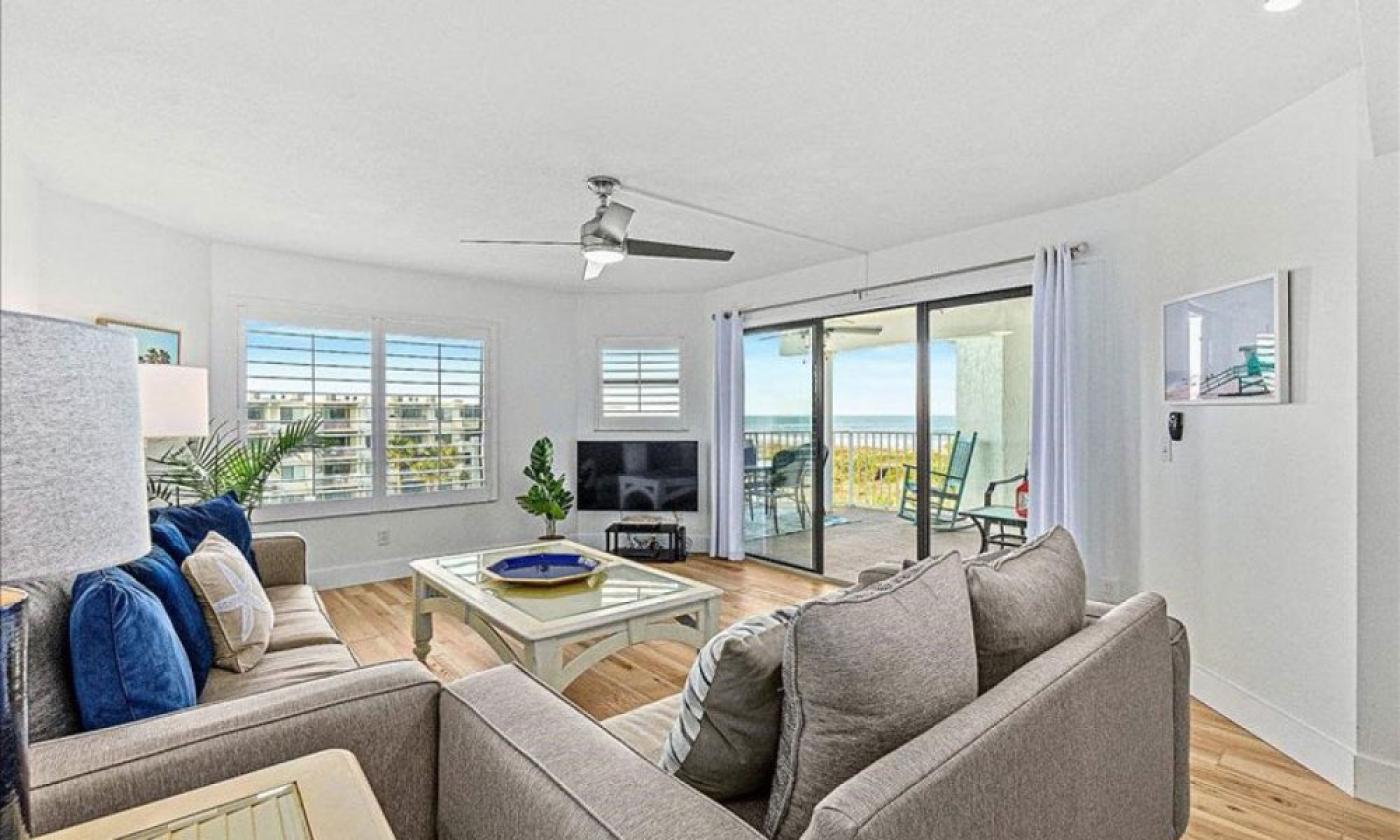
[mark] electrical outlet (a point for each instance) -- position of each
(1166, 451)
(382, 537)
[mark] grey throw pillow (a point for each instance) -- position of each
(725, 740)
(1024, 602)
(865, 671)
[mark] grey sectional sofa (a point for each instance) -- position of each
(307, 694)
(1089, 740)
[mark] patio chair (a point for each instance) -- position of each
(787, 479)
(945, 488)
(1003, 538)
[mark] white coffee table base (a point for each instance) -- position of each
(545, 657)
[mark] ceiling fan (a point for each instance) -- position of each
(603, 239)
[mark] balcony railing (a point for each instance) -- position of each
(867, 466)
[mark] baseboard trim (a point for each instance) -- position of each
(1316, 750)
(371, 572)
(1378, 781)
(397, 567)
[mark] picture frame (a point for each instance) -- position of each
(154, 345)
(1228, 345)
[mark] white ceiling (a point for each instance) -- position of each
(385, 132)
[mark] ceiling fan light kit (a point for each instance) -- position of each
(603, 239)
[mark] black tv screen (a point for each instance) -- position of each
(638, 475)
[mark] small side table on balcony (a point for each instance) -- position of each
(1002, 518)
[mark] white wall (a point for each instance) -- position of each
(19, 232)
(1250, 530)
(681, 316)
(1378, 521)
(83, 261)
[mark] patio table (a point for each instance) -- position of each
(985, 517)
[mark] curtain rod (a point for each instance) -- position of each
(1076, 250)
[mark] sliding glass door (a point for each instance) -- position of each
(979, 394)
(887, 435)
(782, 434)
(871, 376)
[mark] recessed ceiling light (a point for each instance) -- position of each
(1281, 5)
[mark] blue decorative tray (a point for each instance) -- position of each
(542, 569)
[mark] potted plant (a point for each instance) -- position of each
(209, 467)
(547, 496)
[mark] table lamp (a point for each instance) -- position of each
(72, 492)
(174, 401)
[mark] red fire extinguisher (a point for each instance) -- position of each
(1023, 498)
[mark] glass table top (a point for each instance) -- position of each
(616, 584)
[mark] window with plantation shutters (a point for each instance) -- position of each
(435, 430)
(405, 409)
(293, 373)
(639, 384)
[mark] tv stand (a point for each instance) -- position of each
(670, 551)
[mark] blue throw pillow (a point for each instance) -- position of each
(128, 664)
(168, 538)
(160, 573)
(222, 514)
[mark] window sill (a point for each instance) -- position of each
(640, 426)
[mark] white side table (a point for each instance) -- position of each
(322, 796)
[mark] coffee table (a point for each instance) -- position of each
(624, 604)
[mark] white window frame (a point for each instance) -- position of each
(378, 326)
(639, 424)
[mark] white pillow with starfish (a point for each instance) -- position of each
(235, 606)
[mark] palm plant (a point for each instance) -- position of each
(224, 461)
(548, 496)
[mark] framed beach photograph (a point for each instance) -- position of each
(1228, 346)
(154, 345)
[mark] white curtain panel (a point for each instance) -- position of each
(727, 442)
(1054, 469)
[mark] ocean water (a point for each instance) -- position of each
(847, 423)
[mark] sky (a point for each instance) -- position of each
(867, 381)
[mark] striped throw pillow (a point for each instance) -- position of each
(725, 741)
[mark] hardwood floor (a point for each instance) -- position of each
(1242, 789)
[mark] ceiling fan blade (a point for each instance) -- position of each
(516, 242)
(613, 222)
(591, 269)
(644, 248)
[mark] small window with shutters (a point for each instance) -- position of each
(639, 384)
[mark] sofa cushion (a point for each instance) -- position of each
(1024, 602)
(222, 515)
(277, 669)
(128, 663)
(299, 618)
(300, 629)
(158, 572)
(645, 728)
(293, 598)
(864, 672)
(235, 607)
(724, 740)
(53, 711)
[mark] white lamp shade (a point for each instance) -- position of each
(174, 401)
(72, 483)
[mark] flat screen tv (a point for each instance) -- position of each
(634, 475)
